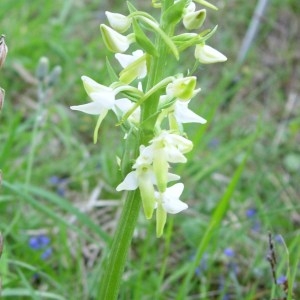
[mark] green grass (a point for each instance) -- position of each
(255, 118)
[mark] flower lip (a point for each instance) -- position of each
(170, 199)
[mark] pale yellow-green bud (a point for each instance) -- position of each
(182, 88)
(208, 55)
(161, 218)
(147, 192)
(115, 41)
(194, 20)
(118, 22)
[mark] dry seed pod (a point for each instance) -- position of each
(1, 244)
(3, 50)
(2, 96)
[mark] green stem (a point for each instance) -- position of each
(115, 262)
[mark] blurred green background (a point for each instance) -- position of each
(58, 205)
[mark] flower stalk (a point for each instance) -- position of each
(152, 115)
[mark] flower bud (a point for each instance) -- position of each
(208, 55)
(2, 95)
(182, 88)
(118, 22)
(194, 20)
(54, 75)
(115, 41)
(3, 50)
(42, 68)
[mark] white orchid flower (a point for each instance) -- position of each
(144, 179)
(168, 202)
(103, 98)
(170, 199)
(167, 147)
(122, 106)
(183, 114)
(134, 66)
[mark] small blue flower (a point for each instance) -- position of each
(38, 242)
(54, 180)
(47, 253)
(281, 279)
(279, 239)
(251, 212)
(229, 252)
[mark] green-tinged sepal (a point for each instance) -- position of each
(161, 218)
(147, 194)
(160, 169)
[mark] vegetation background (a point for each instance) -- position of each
(58, 205)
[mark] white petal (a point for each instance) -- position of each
(175, 189)
(130, 182)
(171, 202)
(184, 115)
(174, 206)
(91, 85)
(123, 105)
(124, 59)
(105, 99)
(175, 156)
(92, 108)
(173, 177)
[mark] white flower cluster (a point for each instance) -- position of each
(150, 172)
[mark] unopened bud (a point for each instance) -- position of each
(208, 55)
(42, 68)
(3, 50)
(114, 41)
(118, 22)
(2, 96)
(54, 75)
(182, 88)
(194, 20)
